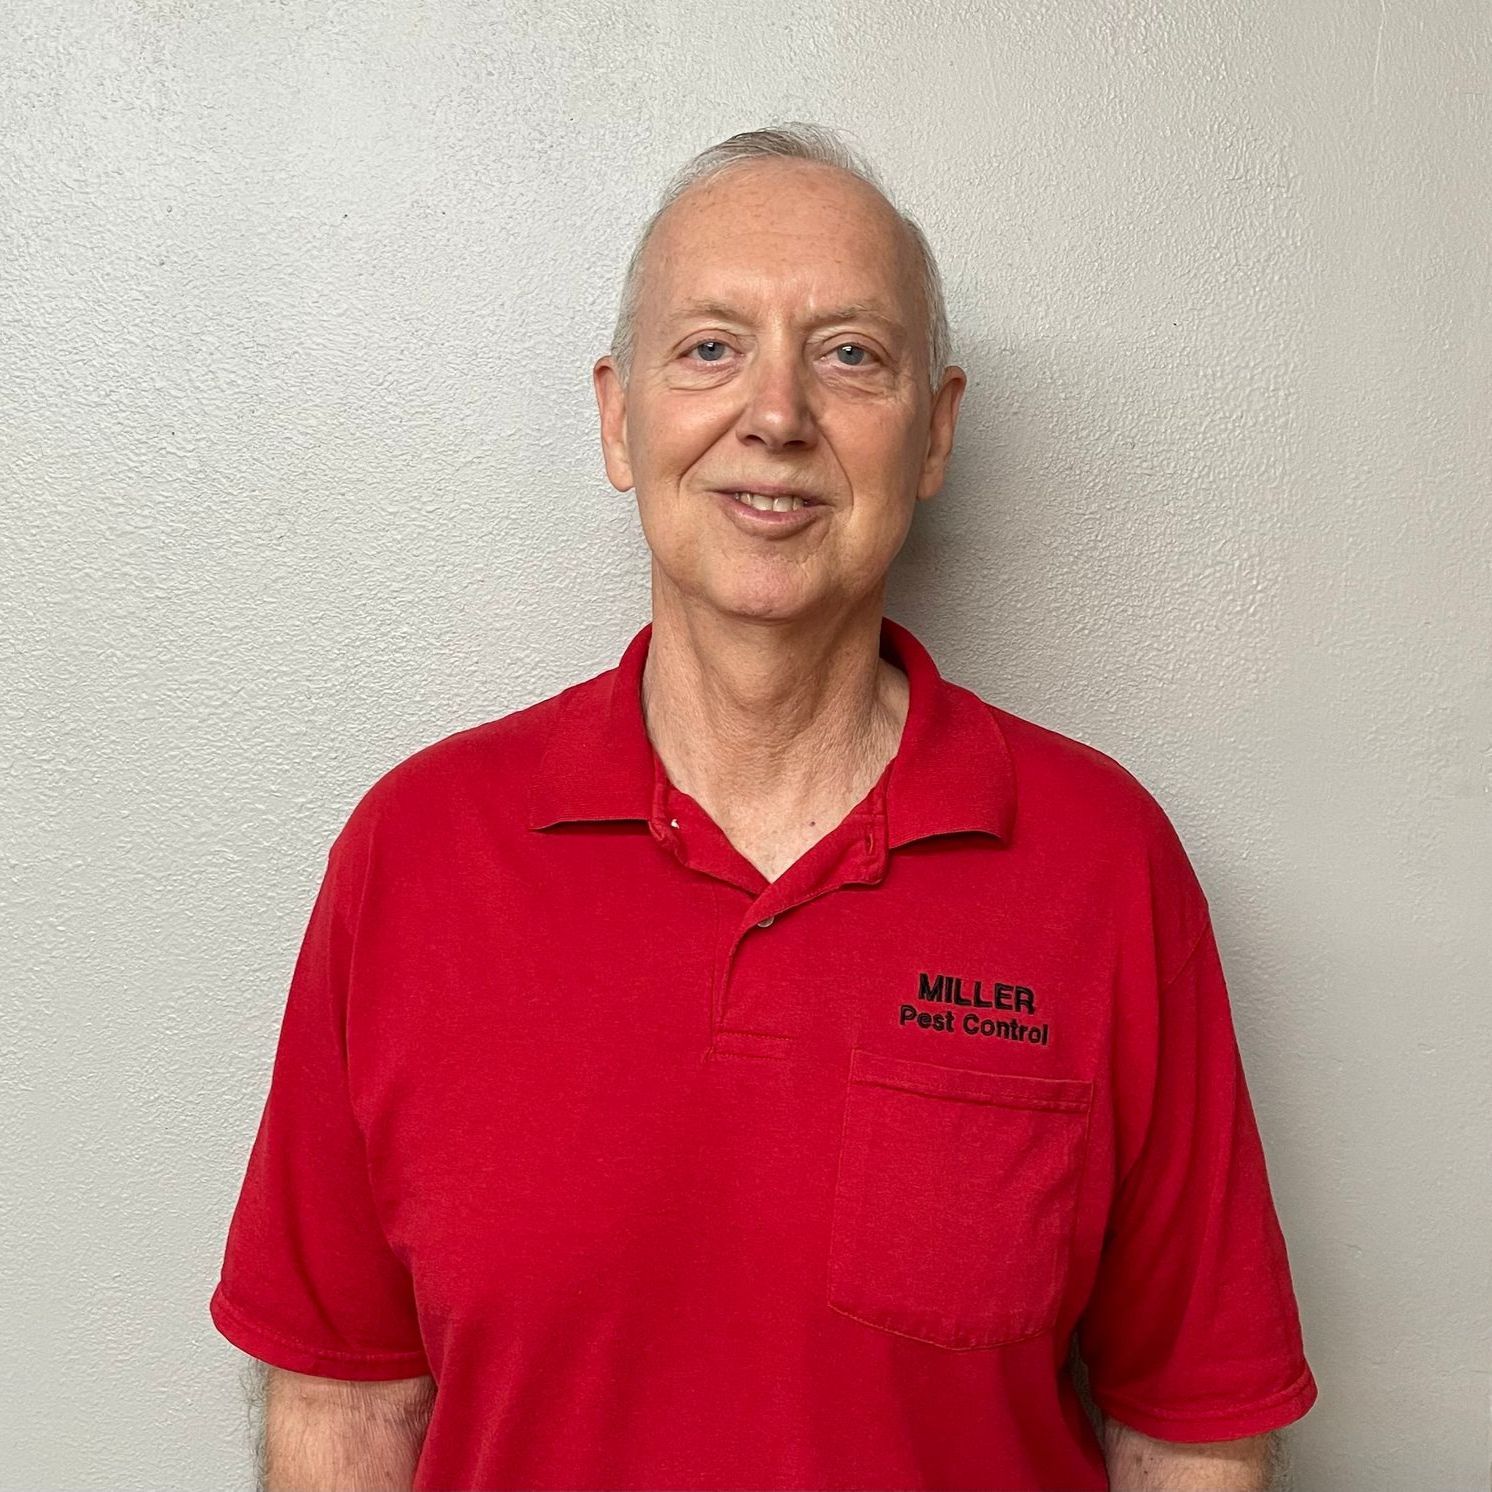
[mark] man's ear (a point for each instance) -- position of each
(940, 431)
(611, 401)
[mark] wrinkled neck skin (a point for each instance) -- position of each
(776, 728)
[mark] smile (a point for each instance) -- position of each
(764, 504)
(771, 515)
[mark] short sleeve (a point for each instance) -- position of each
(1192, 1332)
(308, 1280)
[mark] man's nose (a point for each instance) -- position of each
(778, 411)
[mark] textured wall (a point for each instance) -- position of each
(297, 304)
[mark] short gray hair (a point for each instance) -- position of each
(793, 141)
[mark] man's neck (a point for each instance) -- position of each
(776, 730)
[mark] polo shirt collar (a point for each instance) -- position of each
(951, 774)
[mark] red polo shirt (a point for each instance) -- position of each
(677, 1178)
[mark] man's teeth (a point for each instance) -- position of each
(769, 504)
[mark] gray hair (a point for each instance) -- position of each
(792, 141)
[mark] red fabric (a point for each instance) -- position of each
(664, 1197)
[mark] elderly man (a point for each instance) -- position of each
(764, 1063)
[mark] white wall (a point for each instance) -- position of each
(297, 304)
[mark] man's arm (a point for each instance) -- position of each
(1138, 1463)
(334, 1435)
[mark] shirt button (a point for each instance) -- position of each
(768, 921)
(673, 823)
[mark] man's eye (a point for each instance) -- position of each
(712, 350)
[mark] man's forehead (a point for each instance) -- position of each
(745, 243)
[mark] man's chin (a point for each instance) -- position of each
(769, 601)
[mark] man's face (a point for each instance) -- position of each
(780, 342)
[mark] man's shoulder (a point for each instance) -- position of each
(1060, 774)
(1082, 809)
(485, 768)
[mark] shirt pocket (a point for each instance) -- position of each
(955, 1199)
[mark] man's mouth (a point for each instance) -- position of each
(763, 503)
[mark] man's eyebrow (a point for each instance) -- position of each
(854, 311)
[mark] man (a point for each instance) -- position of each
(759, 1064)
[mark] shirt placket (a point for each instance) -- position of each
(742, 1021)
